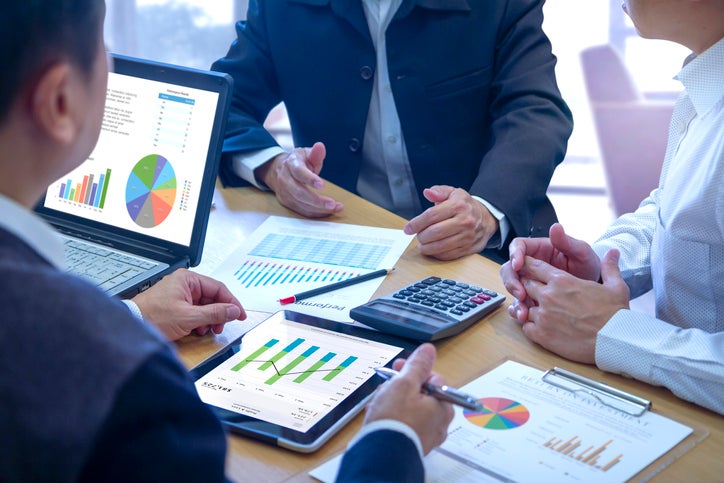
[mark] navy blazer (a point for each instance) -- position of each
(473, 82)
(88, 392)
(381, 456)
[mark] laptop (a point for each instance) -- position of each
(138, 207)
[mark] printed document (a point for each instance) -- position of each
(287, 256)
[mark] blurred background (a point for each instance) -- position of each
(619, 87)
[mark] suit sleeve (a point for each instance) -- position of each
(382, 456)
(530, 123)
(256, 92)
(158, 430)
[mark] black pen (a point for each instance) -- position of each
(443, 393)
(335, 286)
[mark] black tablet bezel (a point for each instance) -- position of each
(317, 434)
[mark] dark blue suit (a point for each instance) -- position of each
(87, 391)
(473, 83)
(90, 393)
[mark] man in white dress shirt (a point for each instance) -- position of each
(574, 299)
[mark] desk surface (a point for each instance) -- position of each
(461, 359)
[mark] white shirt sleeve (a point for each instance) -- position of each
(245, 164)
(133, 308)
(690, 362)
(503, 224)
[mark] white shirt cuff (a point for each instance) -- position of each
(503, 224)
(389, 424)
(245, 164)
(133, 308)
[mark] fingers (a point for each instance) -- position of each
(295, 177)
(419, 365)
(610, 272)
(438, 193)
(456, 226)
(208, 291)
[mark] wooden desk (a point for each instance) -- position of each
(238, 212)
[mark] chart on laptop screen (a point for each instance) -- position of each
(145, 172)
(292, 374)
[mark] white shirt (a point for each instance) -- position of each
(674, 243)
(385, 176)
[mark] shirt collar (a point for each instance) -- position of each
(702, 78)
(27, 226)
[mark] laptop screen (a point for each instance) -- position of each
(150, 169)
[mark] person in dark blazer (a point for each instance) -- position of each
(446, 112)
(88, 390)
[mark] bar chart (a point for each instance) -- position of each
(293, 374)
(322, 367)
(91, 191)
(320, 250)
(590, 456)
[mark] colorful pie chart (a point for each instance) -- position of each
(498, 413)
(151, 191)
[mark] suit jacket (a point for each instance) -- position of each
(473, 83)
(90, 393)
(87, 391)
(382, 456)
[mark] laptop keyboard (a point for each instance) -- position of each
(106, 268)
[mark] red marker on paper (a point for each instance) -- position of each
(335, 286)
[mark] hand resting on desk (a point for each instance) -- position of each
(185, 301)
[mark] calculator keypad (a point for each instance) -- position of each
(445, 295)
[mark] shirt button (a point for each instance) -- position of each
(391, 139)
(354, 145)
(366, 72)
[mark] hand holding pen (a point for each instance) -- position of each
(400, 399)
(443, 393)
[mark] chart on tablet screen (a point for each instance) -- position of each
(291, 374)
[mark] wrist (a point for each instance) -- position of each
(264, 174)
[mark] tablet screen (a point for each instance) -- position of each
(295, 371)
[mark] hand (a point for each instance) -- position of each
(401, 398)
(185, 301)
(294, 177)
(456, 226)
(560, 251)
(568, 311)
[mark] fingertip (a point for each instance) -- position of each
(233, 312)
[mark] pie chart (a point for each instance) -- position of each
(498, 413)
(151, 191)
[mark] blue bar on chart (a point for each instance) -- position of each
(319, 250)
(260, 274)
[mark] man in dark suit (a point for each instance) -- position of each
(88, 391)
(409, 103)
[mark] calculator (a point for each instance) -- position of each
(429, 309)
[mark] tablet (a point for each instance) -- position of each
(294, 380)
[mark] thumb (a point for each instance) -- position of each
(437, 193)
(213, 314)
(419, 365)
(315, 157)
(610, 272)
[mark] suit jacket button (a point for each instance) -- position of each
(354, 145)
(366, 72)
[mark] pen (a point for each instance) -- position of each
(443, 393)
(335, 286)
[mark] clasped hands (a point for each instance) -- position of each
(457, 224)
(558, 298)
